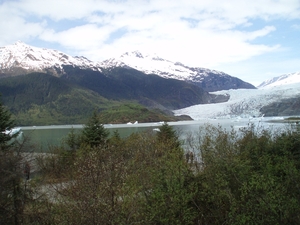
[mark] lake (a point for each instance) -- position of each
(45, 136)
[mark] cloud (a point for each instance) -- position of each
(296, 26)
(15, 27)
(80, 37)
(196, 32)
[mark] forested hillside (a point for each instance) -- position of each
(122, 83)
(43, 99)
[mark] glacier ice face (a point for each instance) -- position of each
(244, 103)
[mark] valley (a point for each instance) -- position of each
(47, 87)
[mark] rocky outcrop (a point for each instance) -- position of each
(286, 107)
(216, 82)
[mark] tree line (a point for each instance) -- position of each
(249, 176)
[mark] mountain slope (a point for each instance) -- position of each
(209, 80)
(19, 58)
(41, 99)
(150, 90)
(285, 106)
(284, 79)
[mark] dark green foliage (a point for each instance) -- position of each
(94, 133)
(11, 192)
(131, 112)
(73, 140)
(35, 88)
(172, 192)
(166, 132)
(170, 93)
(250, 176)
(6, 125)
(42, 99)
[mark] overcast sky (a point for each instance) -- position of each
(253, 40)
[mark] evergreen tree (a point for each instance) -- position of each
(11, 195)
(167, 134)
(94, 133)
(73, 140)
(6, 125)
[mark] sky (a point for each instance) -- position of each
(253, 40)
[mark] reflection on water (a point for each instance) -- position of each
(44, 136)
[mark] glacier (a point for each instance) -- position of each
(246, 103)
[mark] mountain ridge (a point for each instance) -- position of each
(281, 80)
(20, 58)
(155, 82)
(209, 80)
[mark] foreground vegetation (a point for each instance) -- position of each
(246, 177)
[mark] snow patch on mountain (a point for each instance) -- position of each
(245, 103)
(34, 58)
(16, 58)
(285, 79)
(152, 64)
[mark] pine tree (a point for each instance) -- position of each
(168, 134)
(6, 125)
(94, 133)
(11, 202)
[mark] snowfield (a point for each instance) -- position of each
(152, 64)
(34, 58)
(244, 103)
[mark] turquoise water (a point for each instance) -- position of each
(45, 136)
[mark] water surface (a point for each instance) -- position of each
(45, 136)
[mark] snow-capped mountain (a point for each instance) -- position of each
(285, 79)
(244, 101)
(155, 65)
(20, 58)
(29, 58)
(209, 80)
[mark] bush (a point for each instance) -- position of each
(249, 176)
